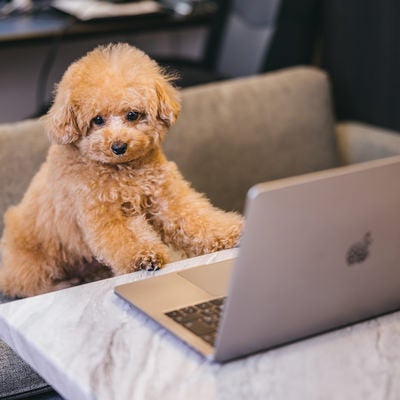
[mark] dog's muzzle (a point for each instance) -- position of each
(119, 148)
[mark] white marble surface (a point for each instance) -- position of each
(89, 344)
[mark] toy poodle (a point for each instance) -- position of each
(106, 194)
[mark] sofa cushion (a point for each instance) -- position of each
(23, 147)
(244, 131)
(17, 379)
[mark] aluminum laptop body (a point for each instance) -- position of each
(319, 251)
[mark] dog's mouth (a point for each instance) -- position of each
(123, 157)
(119, 159)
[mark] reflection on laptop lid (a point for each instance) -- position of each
(319, 251)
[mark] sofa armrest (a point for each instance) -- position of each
(358, 142)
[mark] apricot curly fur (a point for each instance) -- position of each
(87, 206)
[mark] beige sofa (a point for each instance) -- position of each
(229, 136)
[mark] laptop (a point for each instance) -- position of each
(319, 251)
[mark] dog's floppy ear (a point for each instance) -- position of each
(168, 102)
(61, 122)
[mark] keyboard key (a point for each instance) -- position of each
(209, 312)
(172, 314)
(188, 310)
(209, 320)
(204, 306)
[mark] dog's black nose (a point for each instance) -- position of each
(119, 148)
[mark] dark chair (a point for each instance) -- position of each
(237, 43)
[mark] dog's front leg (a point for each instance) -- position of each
(188, 222)
(125, 244)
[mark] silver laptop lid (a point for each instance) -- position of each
(319, 251)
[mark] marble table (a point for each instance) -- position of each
(89, 344)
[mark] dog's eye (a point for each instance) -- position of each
(132, 116)
(98, 120)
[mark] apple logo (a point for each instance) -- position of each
(358, 252)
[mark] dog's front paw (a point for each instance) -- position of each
(148, 258)
(149, 263)
(224, 234)
(226, 242)
(229, 236)
(231, 241)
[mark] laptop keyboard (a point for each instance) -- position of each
(201, 319)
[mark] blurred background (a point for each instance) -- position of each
(355, 41)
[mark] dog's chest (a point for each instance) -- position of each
(132, 191)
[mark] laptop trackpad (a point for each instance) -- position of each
(213, 278)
